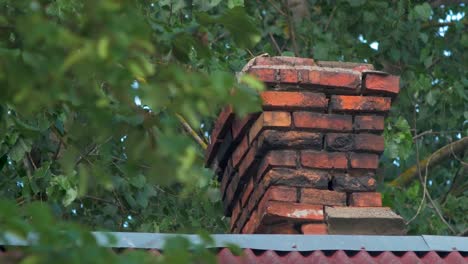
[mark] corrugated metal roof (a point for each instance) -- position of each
(270, 249)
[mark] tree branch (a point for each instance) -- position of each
(437, 157)
(192, 132)
(437, 3)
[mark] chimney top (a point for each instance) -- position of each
(307, 163)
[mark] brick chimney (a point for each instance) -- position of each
(307, 163)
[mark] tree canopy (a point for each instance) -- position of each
(106, 106)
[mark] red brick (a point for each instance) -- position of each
(291, 139)
(339, 141)
(248, 190)
(288, 76)
(369, 123)
(211, 152)
(369, 142)
(380, 83)
(322, 197)
(324, 160)
(357, 142)
(314, 229)
(222, 123)
(280, 228)
(251, 225)
(350, 103)
(230, 193)
(241, 125)
(365, 199)
(364, 161)
(284, 60)
(221, 126)
(277, 158)
(335, 78)
(273, 100)
(297, 177)
(281, 193)
(323, 122)
(346, 183)
(226, 179)
(269, 119)
(267, 75)
(235, 214)
(276, 211)
(248, 160)
(240, 151)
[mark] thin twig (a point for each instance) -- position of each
(192, 132)
(292, 31)
(329, 19)
(275, 43)
(277, 9)
(423, 181)
(31, 161)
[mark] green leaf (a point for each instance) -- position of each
(234, 3)
(241, 26)
(70, 195)
(355, 3)
(423, 11)
(21, 147)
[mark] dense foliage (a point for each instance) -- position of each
(100, 101)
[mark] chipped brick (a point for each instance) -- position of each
(324, 160)
(297, 177)
(365, 199)
(269, 119)
(345, 183)
(273, 100)
(323, 197)
(323, 122)
(381, 84)
(349, 103)
(278, 139)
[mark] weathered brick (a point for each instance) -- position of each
(314, 229)
(364, 161)
(230, 192)
(251, 225)
(335, 78)
(237, 210)
(269, 119)
(222, 123)
(288, 75)
(267, 75)
(211, 151)
(240, 152)
(365, 199)
(273, 100)
(241, 125)
(364, 221)
(323, 197)
(381, 84)
(297, 177)
(277, 158)
(219, 162)
(339, 141)
(323, 122)
(248, 190)
(279, 228)
(276, 211)
(369, 123)
(349, 103)
(278, 139)
(226, 178)
(324, 160)
(357, 142)
(369, 142)
(248, 160)
(281, 193)
(345, 183)
(284, 60)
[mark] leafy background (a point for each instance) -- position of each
(105, 107)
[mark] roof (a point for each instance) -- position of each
(305, 248)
